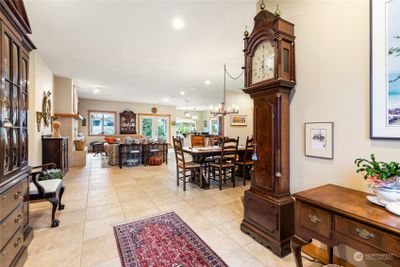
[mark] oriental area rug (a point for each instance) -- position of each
(163, 240)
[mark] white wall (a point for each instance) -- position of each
(63, 95)
(40, 80)
(89, 104)
(332, 68)
(245, 104)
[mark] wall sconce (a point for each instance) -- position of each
(45, 114)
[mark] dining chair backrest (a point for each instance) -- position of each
(198, 141)
(229, 149)
(215, 140)
(248, 149)
(178, 147)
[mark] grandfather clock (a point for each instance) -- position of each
(269, 78)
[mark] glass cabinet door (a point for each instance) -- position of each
(14, 104)
(24, 146)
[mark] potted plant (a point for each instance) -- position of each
(383, 178)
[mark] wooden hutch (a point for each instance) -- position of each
(15, 232)
(269, 79)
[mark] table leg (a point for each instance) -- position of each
(330, 254)
(120, 157)
(295, 244)
(166, 154)
(396, 262)
(202, 180)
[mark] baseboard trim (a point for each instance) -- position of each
(321, 255)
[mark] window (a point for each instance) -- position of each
(101, 122)
(184, 126)
(214, 126)
(155, 127)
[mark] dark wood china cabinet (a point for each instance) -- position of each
(127, 122)
(15, 45)
(269, 79)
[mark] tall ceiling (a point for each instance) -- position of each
(129, 51)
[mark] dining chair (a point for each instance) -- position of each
(198, 141)
(215, 140)
(226, 163)
(185, 170)
(246, 163)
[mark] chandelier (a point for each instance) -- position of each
(221, 109)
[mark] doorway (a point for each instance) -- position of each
(155, 126)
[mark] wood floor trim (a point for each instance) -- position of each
(321, 255)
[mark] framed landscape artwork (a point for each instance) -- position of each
(385, 69)
(319, 139)
(238, 120)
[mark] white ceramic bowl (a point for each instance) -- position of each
(390, 192)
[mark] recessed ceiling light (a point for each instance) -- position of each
(182, 92)
(207, 82)
(96, 91)
(165, 99)
(178, 23)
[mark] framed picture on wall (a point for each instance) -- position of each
(319, 139)
(205, 124)
(238, 120)
(385, 69)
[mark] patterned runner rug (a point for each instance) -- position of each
(163, 240)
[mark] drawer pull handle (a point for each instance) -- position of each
(18, 243)
(363, 233)
(4, 225)
(4, 197)
(18, 195)
(18, 219)
(314, 218)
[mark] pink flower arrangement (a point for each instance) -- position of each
(376, 181)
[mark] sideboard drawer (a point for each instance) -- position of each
(10, 225)
(10, 199)
(315, 219)
(12, 248)
(368, 235)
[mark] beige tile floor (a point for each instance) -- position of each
(97, 198)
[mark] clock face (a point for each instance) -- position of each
(263, 62)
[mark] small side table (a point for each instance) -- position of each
(98, 148)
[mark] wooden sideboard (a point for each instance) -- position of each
(144, 151)
(55, 150)
(337, 215)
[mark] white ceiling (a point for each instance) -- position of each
(129, 50)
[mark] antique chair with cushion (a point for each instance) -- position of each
(44, 187)
(226, 162)
(185, 170)
(246, 163)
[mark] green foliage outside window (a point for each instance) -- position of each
(185, 127)
(147, 127)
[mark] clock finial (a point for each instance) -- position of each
(262, 5)
(277, 11)
(246, 33)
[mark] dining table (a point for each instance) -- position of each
(200, 154)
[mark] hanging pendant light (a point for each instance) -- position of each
(186, 114)
(194, 116)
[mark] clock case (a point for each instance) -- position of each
(268, 206)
